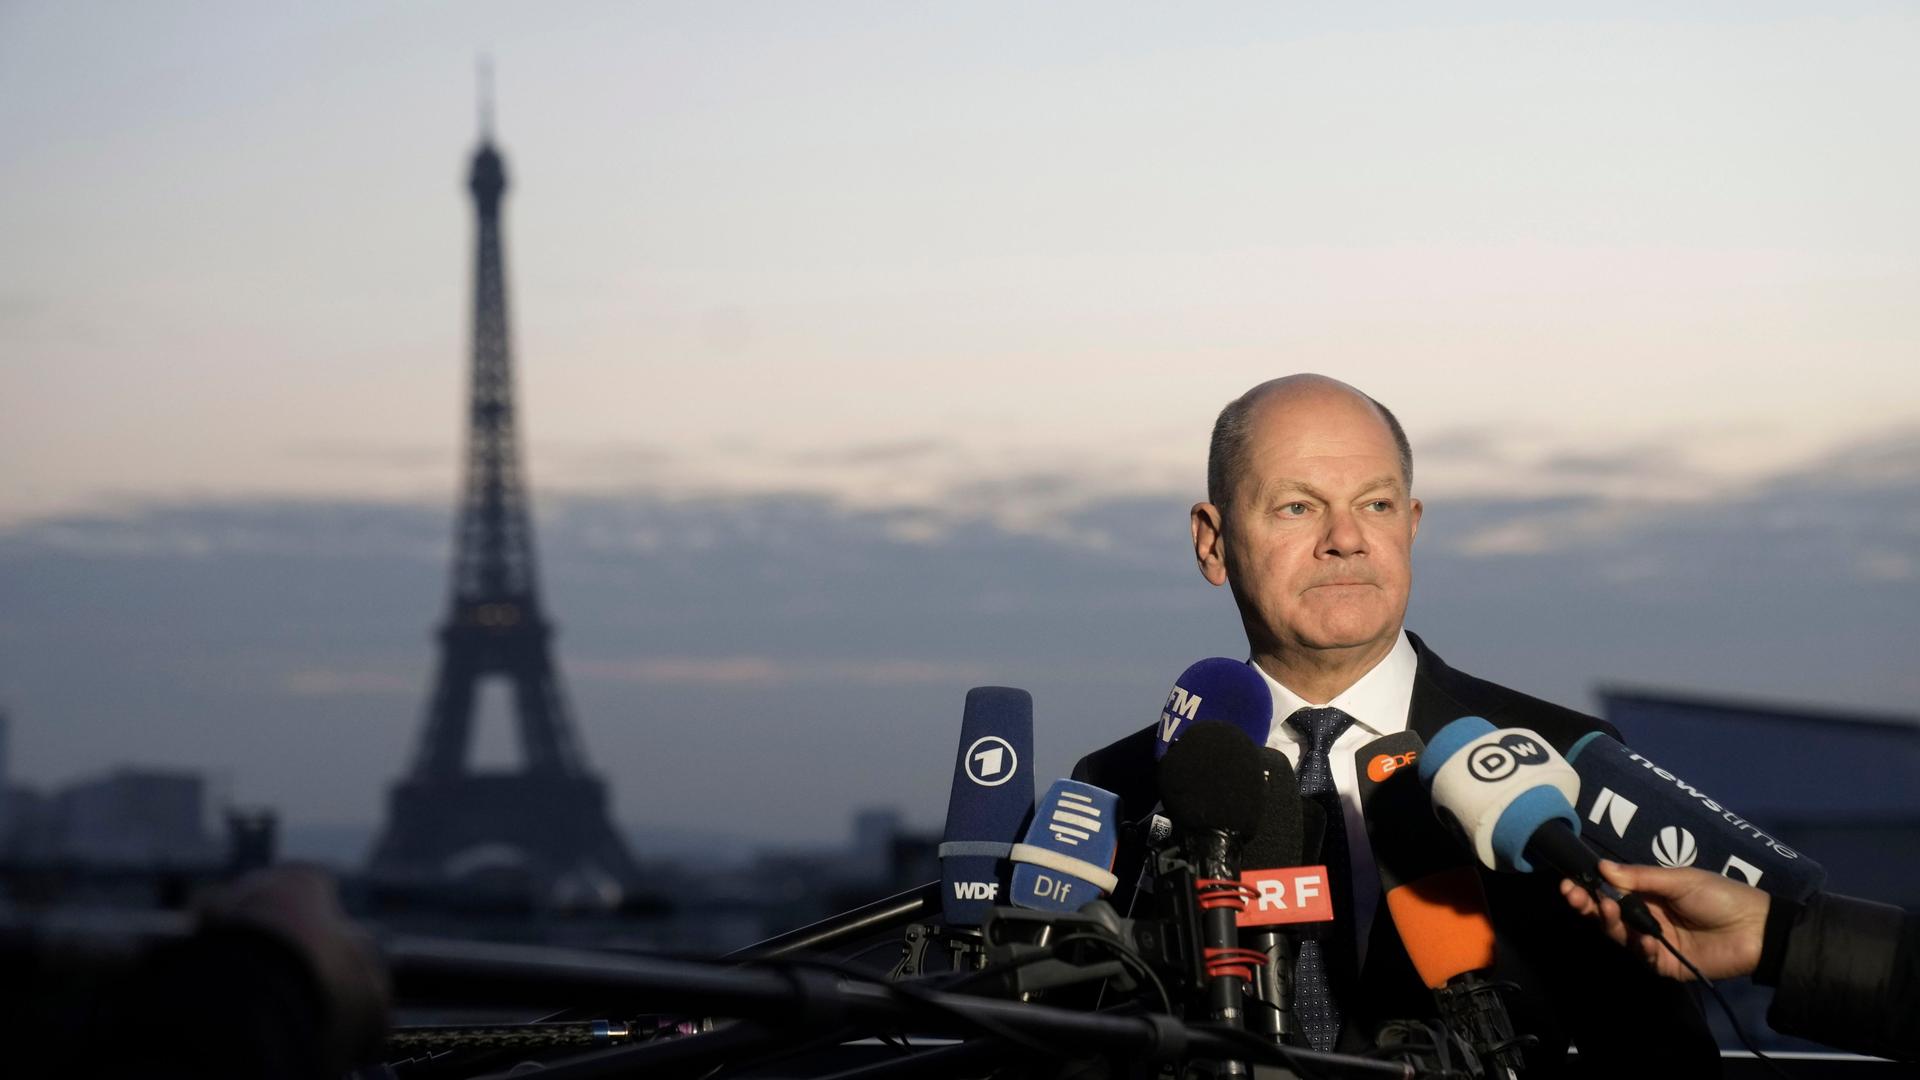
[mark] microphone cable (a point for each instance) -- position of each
(1639, 918)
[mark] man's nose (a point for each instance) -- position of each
(1344, 536)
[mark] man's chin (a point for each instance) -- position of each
(1347, 638)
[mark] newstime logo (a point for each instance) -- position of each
(1726, 815)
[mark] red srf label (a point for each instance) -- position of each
(1292, 894)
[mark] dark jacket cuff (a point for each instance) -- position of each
(1782, 914)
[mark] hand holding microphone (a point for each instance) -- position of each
(1716, 922)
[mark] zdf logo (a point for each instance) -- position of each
(1385, 765)
(990, 761)
(1495, 761)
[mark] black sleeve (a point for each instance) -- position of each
(1849, 977)
(1579, 987)
(227, 1002)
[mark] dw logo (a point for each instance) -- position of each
(990, 761)
(1673, 846)
(1495, 761)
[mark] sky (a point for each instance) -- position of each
(867, 352)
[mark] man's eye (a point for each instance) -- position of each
(1381, 506)
(1294, 509)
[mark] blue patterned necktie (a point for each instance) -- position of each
(1314, 1005)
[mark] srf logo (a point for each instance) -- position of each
(1385, 765)
(990, 761)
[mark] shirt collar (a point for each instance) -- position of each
(1379, 702)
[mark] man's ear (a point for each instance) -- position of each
(1209, 541)
(1415, 507)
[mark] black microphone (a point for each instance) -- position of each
(1638, 811)
(991, 799)
(1211, 783)
(1277, 844)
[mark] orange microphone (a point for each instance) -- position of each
(1434, 896)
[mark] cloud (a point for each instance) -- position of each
(328, 683)
(770, 633)
(878, 453)
(362, 455)
(769, 671)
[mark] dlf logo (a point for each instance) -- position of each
(1180, 706)
(1047, 888)
(976, 890)
(990, 761)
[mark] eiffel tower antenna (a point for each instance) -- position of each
(552, 813)
(485, 75)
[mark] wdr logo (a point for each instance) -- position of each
(1673, 846)
(976, 890)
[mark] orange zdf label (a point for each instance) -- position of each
(1292, 894)
(1385, 765)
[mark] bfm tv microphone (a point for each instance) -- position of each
(991, 797)
(1510, 796)
(1066, 860)
(1216, 689)
(1638, 811)
(1434, 896)
(1211, 783)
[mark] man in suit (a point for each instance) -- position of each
(1310, 522)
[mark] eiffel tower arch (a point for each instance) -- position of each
(548, 820)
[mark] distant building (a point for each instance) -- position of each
(130, 817)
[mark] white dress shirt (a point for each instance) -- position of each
(1379, 704)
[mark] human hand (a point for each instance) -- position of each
(300, 905)
(1714, 921)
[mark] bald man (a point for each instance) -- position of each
(1309, 522)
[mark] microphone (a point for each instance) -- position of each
(1211, 783)
(1434, 898)
(1282, 891)
(1216, 689)
(1510, 795)
(1640, 811)
(991, 797)
(1066, 860)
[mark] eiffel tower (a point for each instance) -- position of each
(548, 820)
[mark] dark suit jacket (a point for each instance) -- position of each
(1575, 985)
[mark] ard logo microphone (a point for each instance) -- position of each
(1066, 860)
(992, 795)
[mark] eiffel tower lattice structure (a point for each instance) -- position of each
(546, 823)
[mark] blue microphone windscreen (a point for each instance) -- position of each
(1221, 690)
(992, 795)
(1447, 742)
(1637, 812)
(1066, 860)
(1523, 817)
